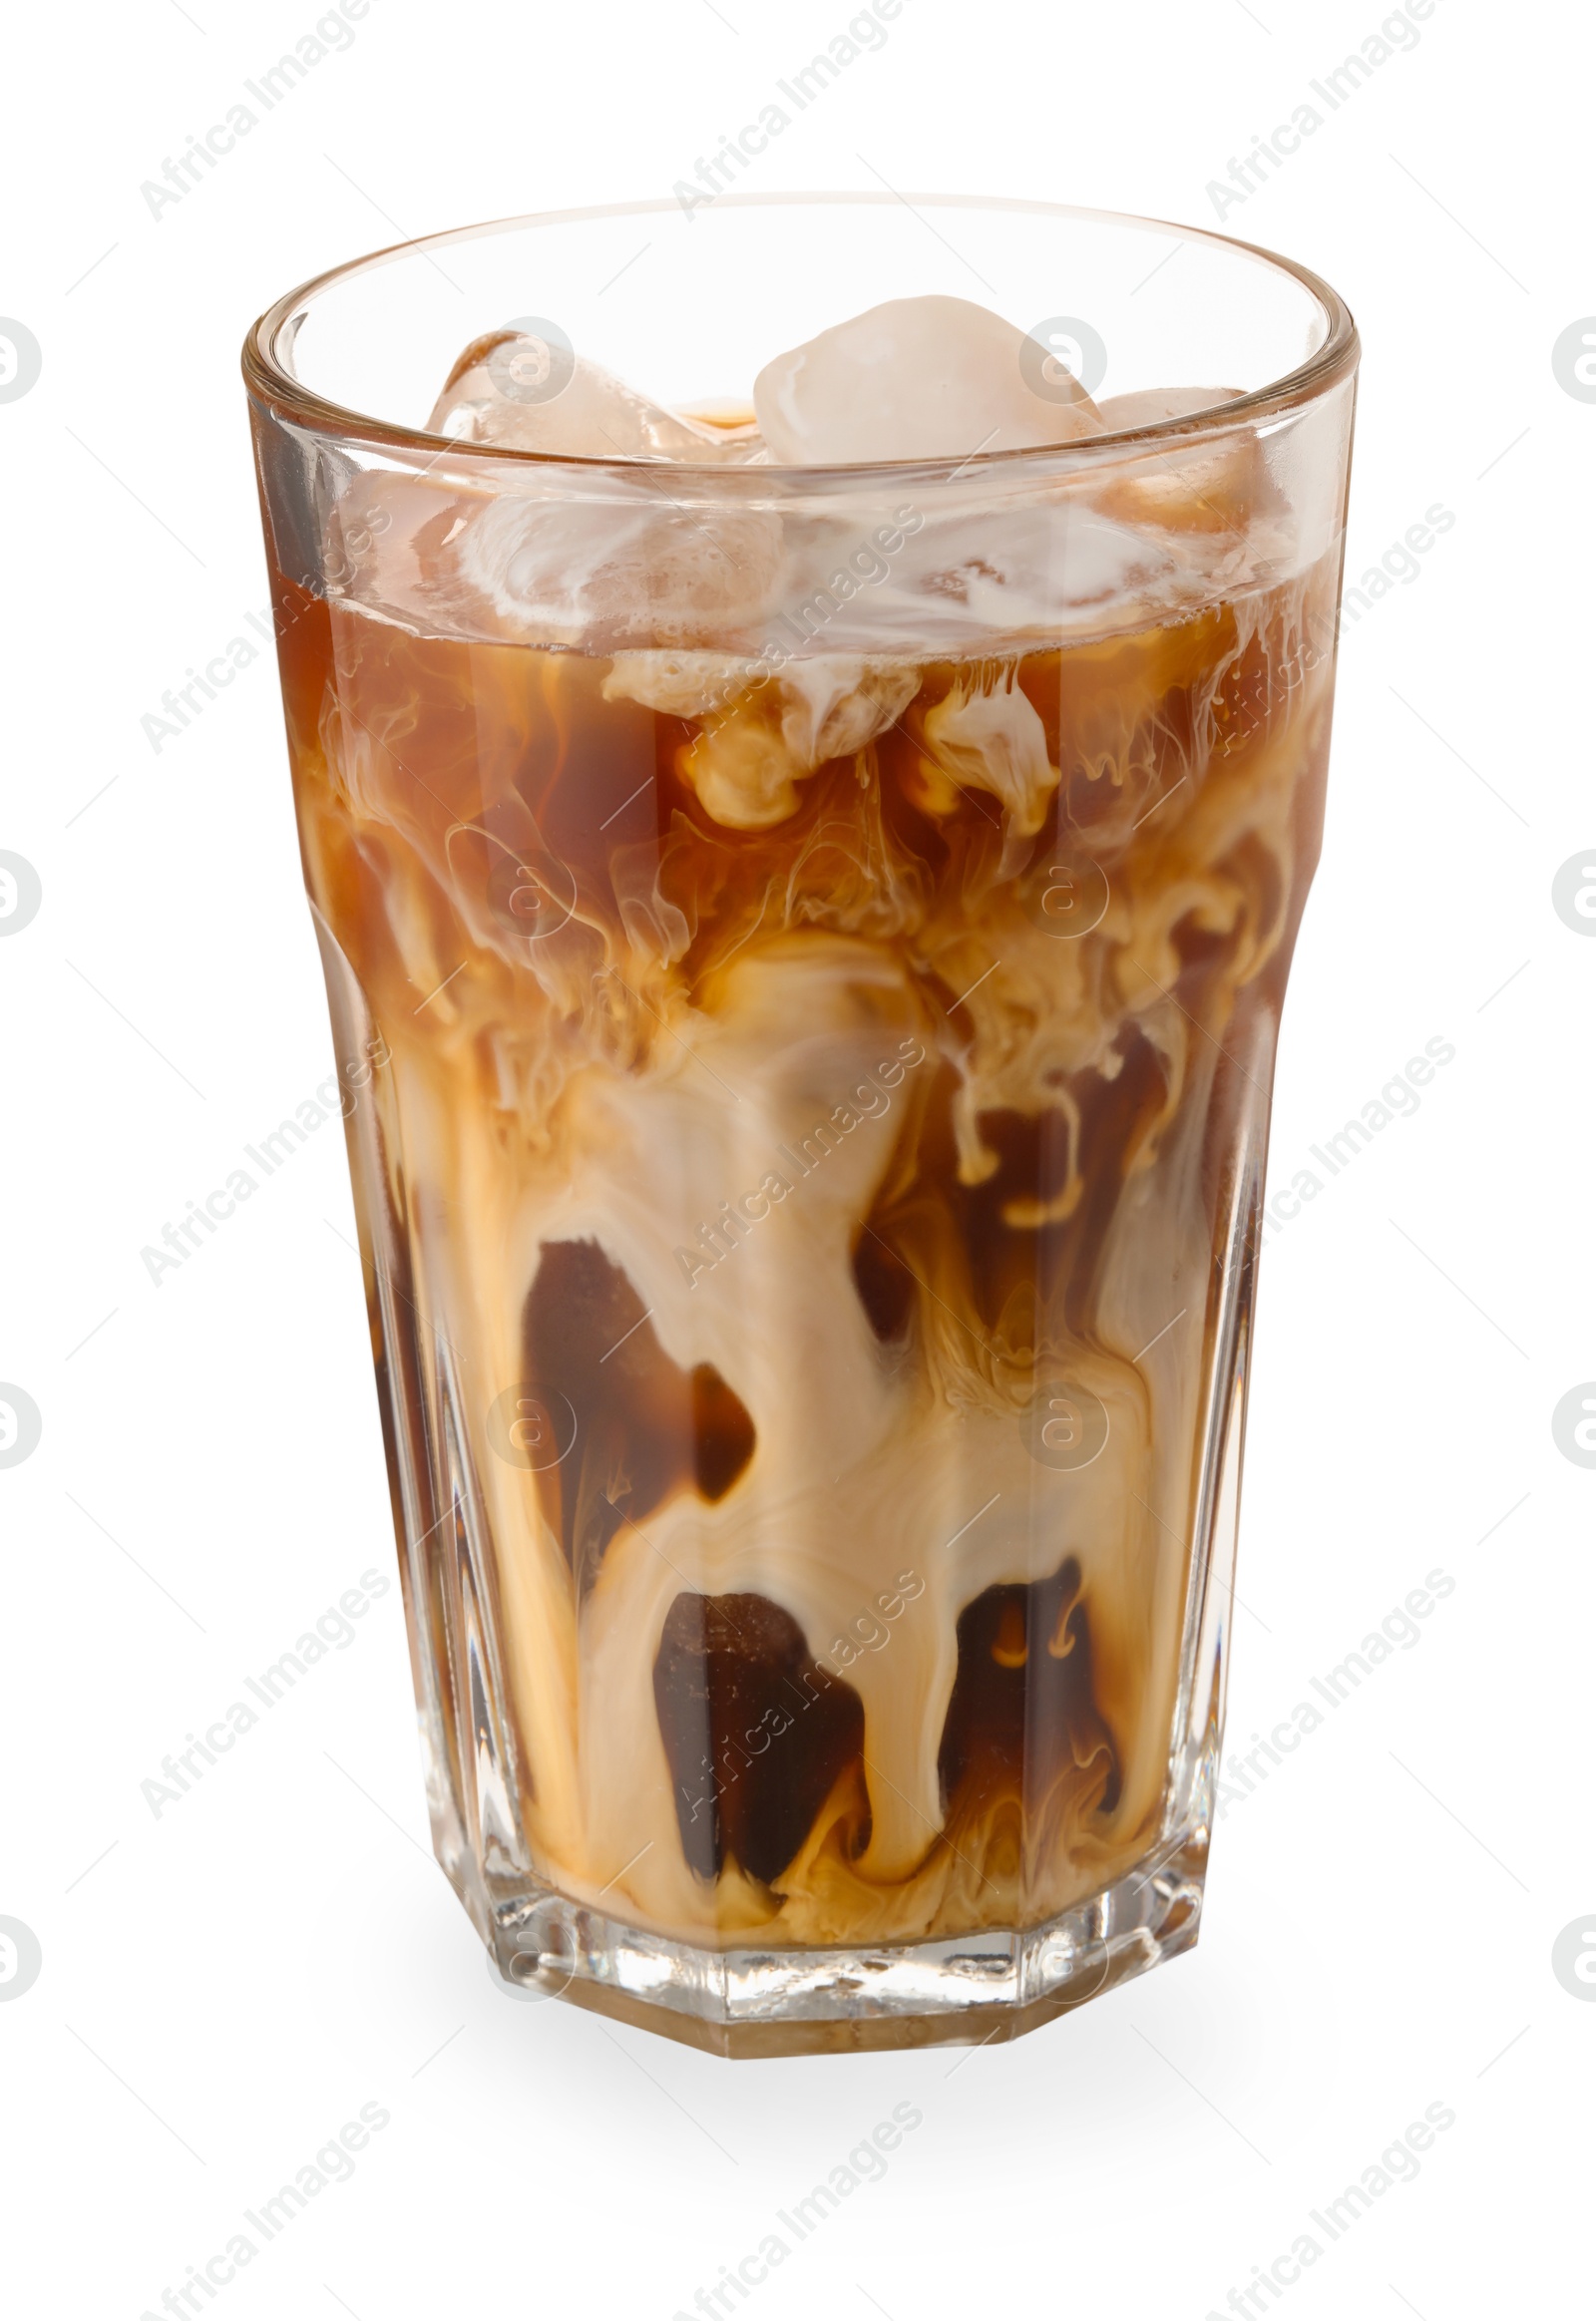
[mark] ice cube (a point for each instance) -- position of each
(914, 379)
(1207, 482)
(604, 573)
(1148, 405)
(734, 426)
(527, 391)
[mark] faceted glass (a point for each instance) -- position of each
(805, 949)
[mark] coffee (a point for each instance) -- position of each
(821, 961)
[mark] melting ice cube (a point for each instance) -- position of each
(914, 379)
(528, 392)
(1148, 405)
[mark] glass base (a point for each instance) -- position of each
(993, 1985)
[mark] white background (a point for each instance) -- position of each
(222, 1987)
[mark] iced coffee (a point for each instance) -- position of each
(825, 920)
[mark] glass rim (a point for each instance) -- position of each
(267, 376)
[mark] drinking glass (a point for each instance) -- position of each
(805, 948)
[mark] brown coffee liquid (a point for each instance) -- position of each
(610, 1013)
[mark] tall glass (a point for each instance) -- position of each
(806, 946)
